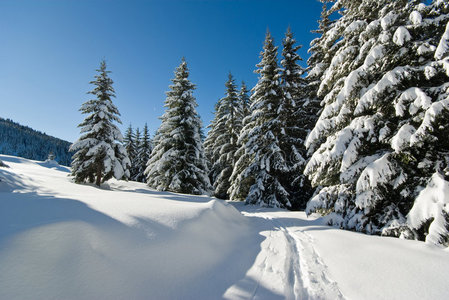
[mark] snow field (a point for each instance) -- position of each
(60, 240)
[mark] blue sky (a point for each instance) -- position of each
(51, 48)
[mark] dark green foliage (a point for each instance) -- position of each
(23, 141)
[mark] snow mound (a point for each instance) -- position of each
(60, 240)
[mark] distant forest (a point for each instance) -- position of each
(23, 141)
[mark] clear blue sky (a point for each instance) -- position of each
(50, 49)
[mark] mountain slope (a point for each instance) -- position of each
(19, 140)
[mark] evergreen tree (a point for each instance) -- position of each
(178, 162)
(143, 154)
(135, 163)
(245, 102)
(129, 141)
(239, 184)
(267, 162)
(216, 128)
(384, 94)
(221, 142)
(295, 119)
(99, 153)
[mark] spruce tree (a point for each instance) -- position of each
(245, 102)
(178, 162)
(239, 185)
(129, 141)
(216, 128)
(265, 159)
(99, 153)
(134, 171)
(221, 142)
(144, 149)
(295, 119)
(373, 140)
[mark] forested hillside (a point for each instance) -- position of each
(19, 140)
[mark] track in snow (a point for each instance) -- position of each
(287, 265)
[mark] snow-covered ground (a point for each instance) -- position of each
(60, 240)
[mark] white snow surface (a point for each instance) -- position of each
(61, 240)
(431, 203)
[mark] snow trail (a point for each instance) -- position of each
(287, 263)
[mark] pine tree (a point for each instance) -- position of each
(245, 102)
(221, 142)
(129, 141)
(239, 185)
(178, 162)
(99, 153)
(135, 163)
(143, 154)
(381, 93)
(212, 151)
(295, 120)
(267, 162)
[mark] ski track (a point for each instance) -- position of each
(304, 274)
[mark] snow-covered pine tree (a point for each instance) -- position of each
(177, 162)
(129, 141)
(143, 154)
(134, 170)
(382, 91)
(267, 162)
(216, 128)
(245, 102)
(99, 153)
(222, 138)
(428, 144)
(239, 186)
(130, 144)
(321, 52)
(295, 120)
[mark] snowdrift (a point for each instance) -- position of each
(60, 240)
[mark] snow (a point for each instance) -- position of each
(431, 203)
(401, 36)
(415, 18)
(431, 114)
(61, 240)
(377, 53)
(388, 20)
(402, 138)
(417, 99)
(443, 47)
(376, 173)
